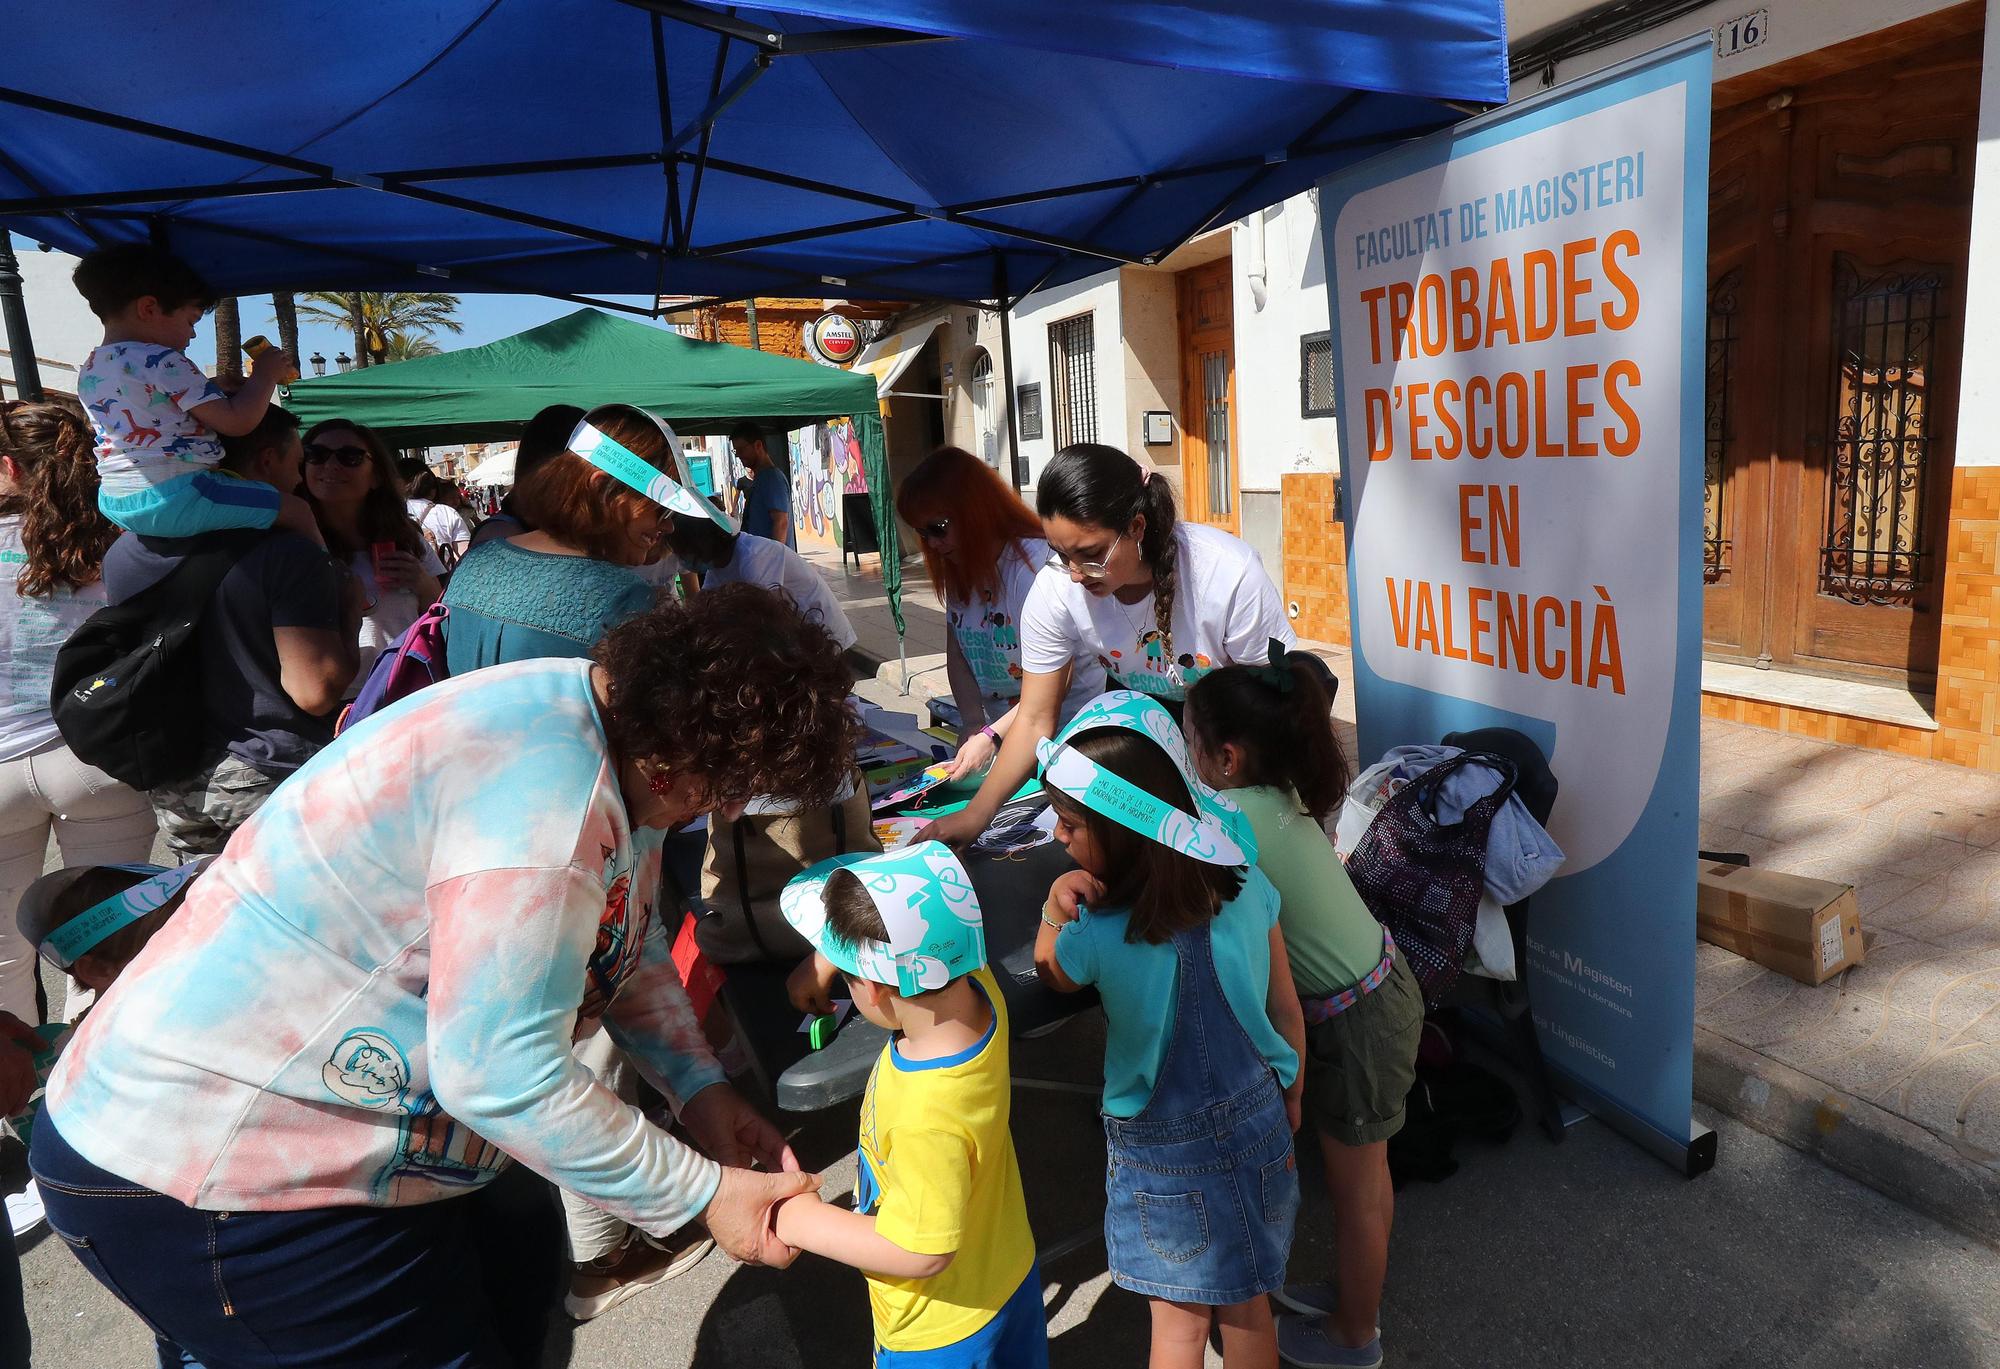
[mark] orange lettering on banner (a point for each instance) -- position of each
(1544, 606)
(1579, 409)
(1464, 309)
(1501, 324)
(1451, 646)
(1543, 447)
(1627, 241)
(1512, 632)
(1399, 623)
(1468, 523)
(1626, 442)
(1576, 287)
(1539, 308)
(1416, 395)
(1478, 442)
(1431, 315)
(1452, 442)
(1402, 295)
(1381, 433)
(1373, 299)
(1427, 627)
(1476, 599)
(1516, 409)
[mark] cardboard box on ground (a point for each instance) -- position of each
(1809, 929)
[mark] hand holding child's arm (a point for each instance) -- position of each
(807, 1223)
(1282, 1003)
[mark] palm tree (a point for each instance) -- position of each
(285, 313)
(383, 316)
(404, 346)
(228, 340)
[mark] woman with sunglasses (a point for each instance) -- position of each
(1130, 589)
(351, 484)
(983, 548)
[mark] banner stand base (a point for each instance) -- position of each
(1691, 1158)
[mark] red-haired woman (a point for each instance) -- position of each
(983, 548)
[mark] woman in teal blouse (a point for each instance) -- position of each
(557, 590)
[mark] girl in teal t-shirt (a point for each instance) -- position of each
(1201, 1054)
(1264, 734)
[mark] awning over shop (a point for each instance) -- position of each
(885, 359)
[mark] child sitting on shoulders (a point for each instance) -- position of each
(1201, 1053)
(155, 414)
(939, 1225)
(1265, 735)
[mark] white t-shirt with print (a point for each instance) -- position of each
(773, 565)
(988, 632)
(138, 396)
(1226, 611)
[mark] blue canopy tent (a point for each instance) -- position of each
(565, 147)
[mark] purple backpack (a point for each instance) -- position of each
(415, 660)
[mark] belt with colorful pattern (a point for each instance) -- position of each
(1318, 1010)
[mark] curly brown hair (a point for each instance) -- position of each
(62, 532)
(736, 687)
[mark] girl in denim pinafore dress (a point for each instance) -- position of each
(1202, 1052)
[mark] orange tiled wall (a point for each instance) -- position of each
(1968, 690)
(1315, 558)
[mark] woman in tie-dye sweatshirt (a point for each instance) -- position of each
(367, 1004)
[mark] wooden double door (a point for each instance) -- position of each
(1839, 217)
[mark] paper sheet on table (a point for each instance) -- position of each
(895, 833)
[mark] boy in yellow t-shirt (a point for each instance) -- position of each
(939, 1225)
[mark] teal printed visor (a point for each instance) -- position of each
(68, 943)
(628, 468)
(1218, 833)
(928, 908)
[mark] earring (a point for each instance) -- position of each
(659, 781)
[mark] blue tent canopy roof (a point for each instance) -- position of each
(889, 148)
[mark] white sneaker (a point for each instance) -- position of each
(24, 1210)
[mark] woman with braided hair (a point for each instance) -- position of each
(1155, 602)
(52, 544)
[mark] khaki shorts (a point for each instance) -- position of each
(1361, 1064)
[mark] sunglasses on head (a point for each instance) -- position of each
(935, 532)
(318, 454)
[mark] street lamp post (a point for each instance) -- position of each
(318, 364)
(343, 363)
(14, 313)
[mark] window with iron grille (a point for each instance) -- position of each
(1316, 375)
(1028, 410)
(1878, 481)
(1073, 374)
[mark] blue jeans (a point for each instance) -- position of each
(468, 1283)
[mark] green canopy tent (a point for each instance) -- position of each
(588, 358)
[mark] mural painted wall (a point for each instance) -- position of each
(826, 464)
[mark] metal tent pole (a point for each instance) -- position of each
(14, 309)
(1007, 369)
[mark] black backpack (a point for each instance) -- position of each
(127, 693)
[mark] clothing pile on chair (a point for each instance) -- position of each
(1518, 857)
